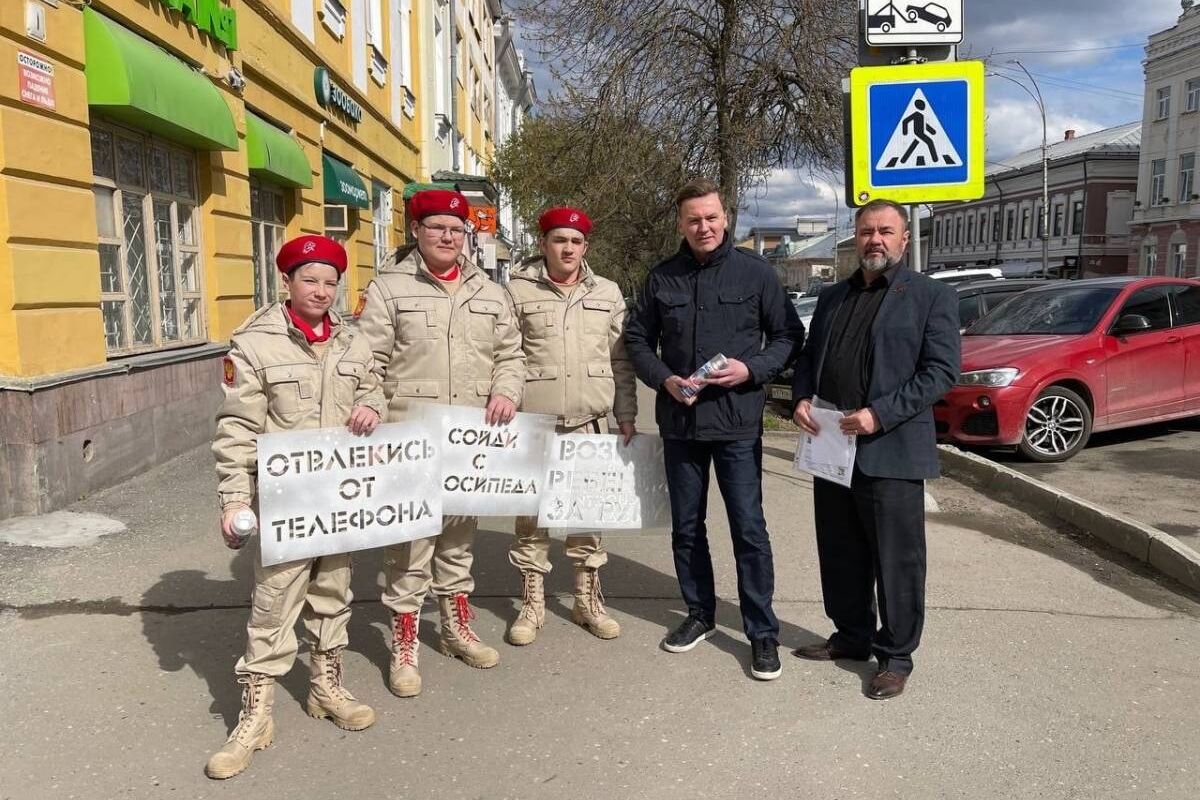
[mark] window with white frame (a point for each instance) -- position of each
(266, 237)
(1193, 94)
(1187, 171)
(1158, 181)
(1149, 258)
(442, 88)
(375, 41)
(406, 61)
(1058, 219)
(1025, 212)
(150, 281)
(333, 15)
(1164, 102)
(381, 222)
(1178, 259)
(1077, 218)
(971, 229)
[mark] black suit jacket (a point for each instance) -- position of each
(915, 359)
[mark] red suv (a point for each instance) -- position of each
(1051, 365)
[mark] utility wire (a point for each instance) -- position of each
(1081, 84)
(1066, 83)
(1065, 50)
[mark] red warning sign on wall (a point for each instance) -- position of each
(35, 80)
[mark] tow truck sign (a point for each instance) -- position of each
(898, 23)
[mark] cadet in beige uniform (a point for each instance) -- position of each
(572, 326)
(291, 366)
(441, 332)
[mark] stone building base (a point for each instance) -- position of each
(63, 437)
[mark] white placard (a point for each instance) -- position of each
(596, 482)
(328, 491)
(489, 470)
(830, 454)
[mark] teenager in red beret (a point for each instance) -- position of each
(289, 366)
(441, 332)
(572, 328)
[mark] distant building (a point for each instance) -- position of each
(1092, 182)
(1166, 217)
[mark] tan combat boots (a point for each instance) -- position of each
(329, 699)
(255, 729)
(403, 678)
(533, 610)
(589, 609)
(457, 639)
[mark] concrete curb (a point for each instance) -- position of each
(1157, 548)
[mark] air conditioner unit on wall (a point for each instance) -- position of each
(337, 218)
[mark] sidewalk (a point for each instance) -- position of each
(1048, 670)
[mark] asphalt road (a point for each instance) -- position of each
(1049, 670)
(1150, 473)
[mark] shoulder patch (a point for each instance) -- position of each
(228, 371)
(362, 303)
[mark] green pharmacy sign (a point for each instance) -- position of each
(211, 16)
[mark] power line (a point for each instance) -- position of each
(1067, 50)
(1081, 84)
(1077, 86)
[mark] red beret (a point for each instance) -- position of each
(565, 217)
(308, 249)
(428, 202)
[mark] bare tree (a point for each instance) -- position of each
(616, 171)
(739, 87)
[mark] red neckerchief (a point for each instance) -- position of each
(449, 276)
(309, 334)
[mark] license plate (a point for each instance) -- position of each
(776, 392)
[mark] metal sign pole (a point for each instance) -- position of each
(914, 223)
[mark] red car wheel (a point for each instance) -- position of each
(1057, 426)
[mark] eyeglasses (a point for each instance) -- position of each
(442, 230)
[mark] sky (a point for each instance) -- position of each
(1085, 55)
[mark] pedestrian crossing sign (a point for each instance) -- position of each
(917, 132)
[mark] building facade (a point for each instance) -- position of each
(515, 98)
(1166, 217)
(1092, 180)
(154, 154)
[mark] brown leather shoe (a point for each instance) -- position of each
(827, 652)
(886, 684)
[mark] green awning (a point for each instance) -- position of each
(136, 82)
(413, 188)
(342, 184)
(274, 154)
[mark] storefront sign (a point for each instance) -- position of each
(594, 482)
(327, 491)
(331, 96)
(490, 470)
(484, 218)
(211, 16)
(35, 78)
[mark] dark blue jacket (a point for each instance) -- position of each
(732, 304)
(915, 359)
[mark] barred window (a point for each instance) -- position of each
(150, 266)
(267, 236)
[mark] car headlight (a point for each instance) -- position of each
(996, 378)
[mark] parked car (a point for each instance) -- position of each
(932, 13)
(976, 298)
(1056, 363)
(968, 274)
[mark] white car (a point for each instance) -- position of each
(805, 306)
(960, 275)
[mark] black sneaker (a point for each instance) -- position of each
(690, 633)
(764, 659)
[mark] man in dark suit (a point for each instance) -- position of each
(884, 347)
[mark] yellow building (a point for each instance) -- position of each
(153, 156)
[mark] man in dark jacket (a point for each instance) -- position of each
(884, 348)
(711, 298)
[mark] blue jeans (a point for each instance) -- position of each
(738, 466)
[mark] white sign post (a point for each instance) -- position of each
(328, 491)
(489, 470)
(595, 482)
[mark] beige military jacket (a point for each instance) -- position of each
(433, 347)
(273, 381)
(576, 367)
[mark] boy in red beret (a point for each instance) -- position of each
(441, 332)
(572, 328)
(291, 365)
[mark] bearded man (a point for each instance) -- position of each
(883, 348)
